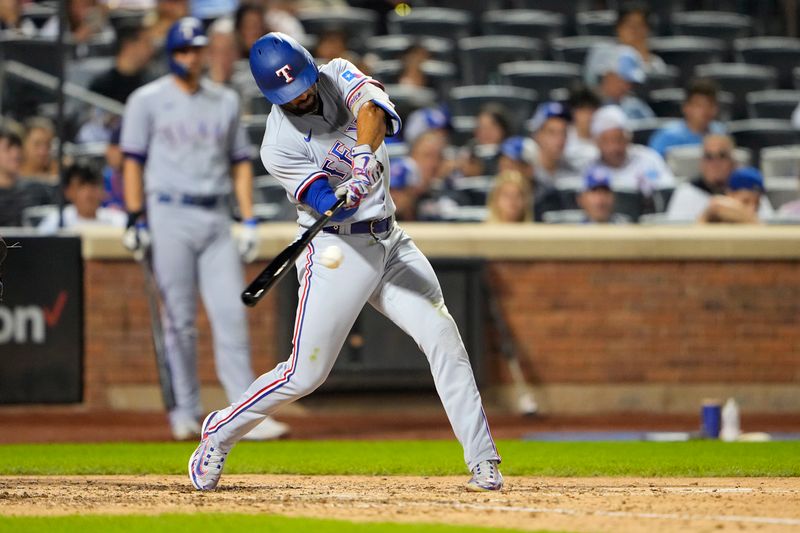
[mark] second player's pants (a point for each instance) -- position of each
(193, 249)
(395, 278)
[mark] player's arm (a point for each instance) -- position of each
(371, 125)
(242, 173)
(133, 185)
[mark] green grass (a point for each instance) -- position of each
(423, 458)
(211, 522)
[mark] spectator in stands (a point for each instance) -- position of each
(280, 16)
(620, 67)
(580, 149)
(167, 12)
(740, 203)
(492, 125)
(10, 160)
(518, 155)
(210, 10)
(549, 127)
(510, 199)
(633, 29)
(691, 198)
(112, 172)
(134, 49)
(250, 26)
(11, 21)
(83, 189)
(223, 53)
(413, 177)
(700, 108)
(87, 22)
(37, 164)
(332, 44)
(411, 72)
(631, 167)
(596, 199)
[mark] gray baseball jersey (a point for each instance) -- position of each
(187, 141)
(300, 149)
(386, 270)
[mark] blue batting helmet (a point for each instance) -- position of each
(185, 33)
(282, 68)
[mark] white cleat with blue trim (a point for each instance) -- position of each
(485, 476)
(207, 461)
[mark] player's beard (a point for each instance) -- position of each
(309, 106)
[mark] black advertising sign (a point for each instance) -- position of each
(41, 321)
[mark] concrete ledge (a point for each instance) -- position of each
(544, 242)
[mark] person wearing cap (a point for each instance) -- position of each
(185, 154)
(548, 128)
(413, 176)
(423, 120)
(700, 109)
(717, 164)
(510, 200)
(740, 203)
(518, 154)
(619, 68)
(580, 148)
(632, 167)
(596, 199)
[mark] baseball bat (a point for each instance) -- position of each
(157, 331)
(279, 266)
(526, 403)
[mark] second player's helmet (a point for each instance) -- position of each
(185, 33)
(282, 68)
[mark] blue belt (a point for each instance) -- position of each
(191, 199)
(373, 227)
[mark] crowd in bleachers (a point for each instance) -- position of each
(585, 111)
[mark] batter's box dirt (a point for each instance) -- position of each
(564, 504)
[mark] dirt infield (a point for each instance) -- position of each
(562, 504)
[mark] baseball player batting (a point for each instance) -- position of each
(324, 141)
(182, 142)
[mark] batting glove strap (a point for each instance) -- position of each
(353, 191)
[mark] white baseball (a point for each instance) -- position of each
(332, 257)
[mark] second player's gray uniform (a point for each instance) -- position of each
(386, 270)
(187, 143)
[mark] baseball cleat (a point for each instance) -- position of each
(485, 476)
(205, 464)
(269, 429)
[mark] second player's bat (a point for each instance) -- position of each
(279, 266)
(164, 374)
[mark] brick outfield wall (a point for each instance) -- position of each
(576, 322)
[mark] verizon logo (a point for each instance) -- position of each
(25, 324)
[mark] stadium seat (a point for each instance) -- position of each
(358, 24)
(447, 23)
(554, 6)
(463, 127)
(120, 18)
(688, 52)
(643, 128)
(393, 46)
(564, 216)
(475, 188)
(441, 74)
(661, 219)
(601, 22)
(83, 71)
(669, 103)
(470, 99)
(524, 22)
(772, 104)
(407, 98)
(38, 12)
(574, 49)
(739, 79)
(783, 53)
(542, 76)
(33, 215)
(714, 24)
(756, 134)
(779, 161)
(254, 125)
(659, 80)
(796, 77)
(782, 189)
(481, 56)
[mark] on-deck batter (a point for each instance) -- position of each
(323, 139)
(182, 135)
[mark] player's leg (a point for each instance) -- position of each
(410, 296)
(175, 266)
(329, 302)
(221, 281)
